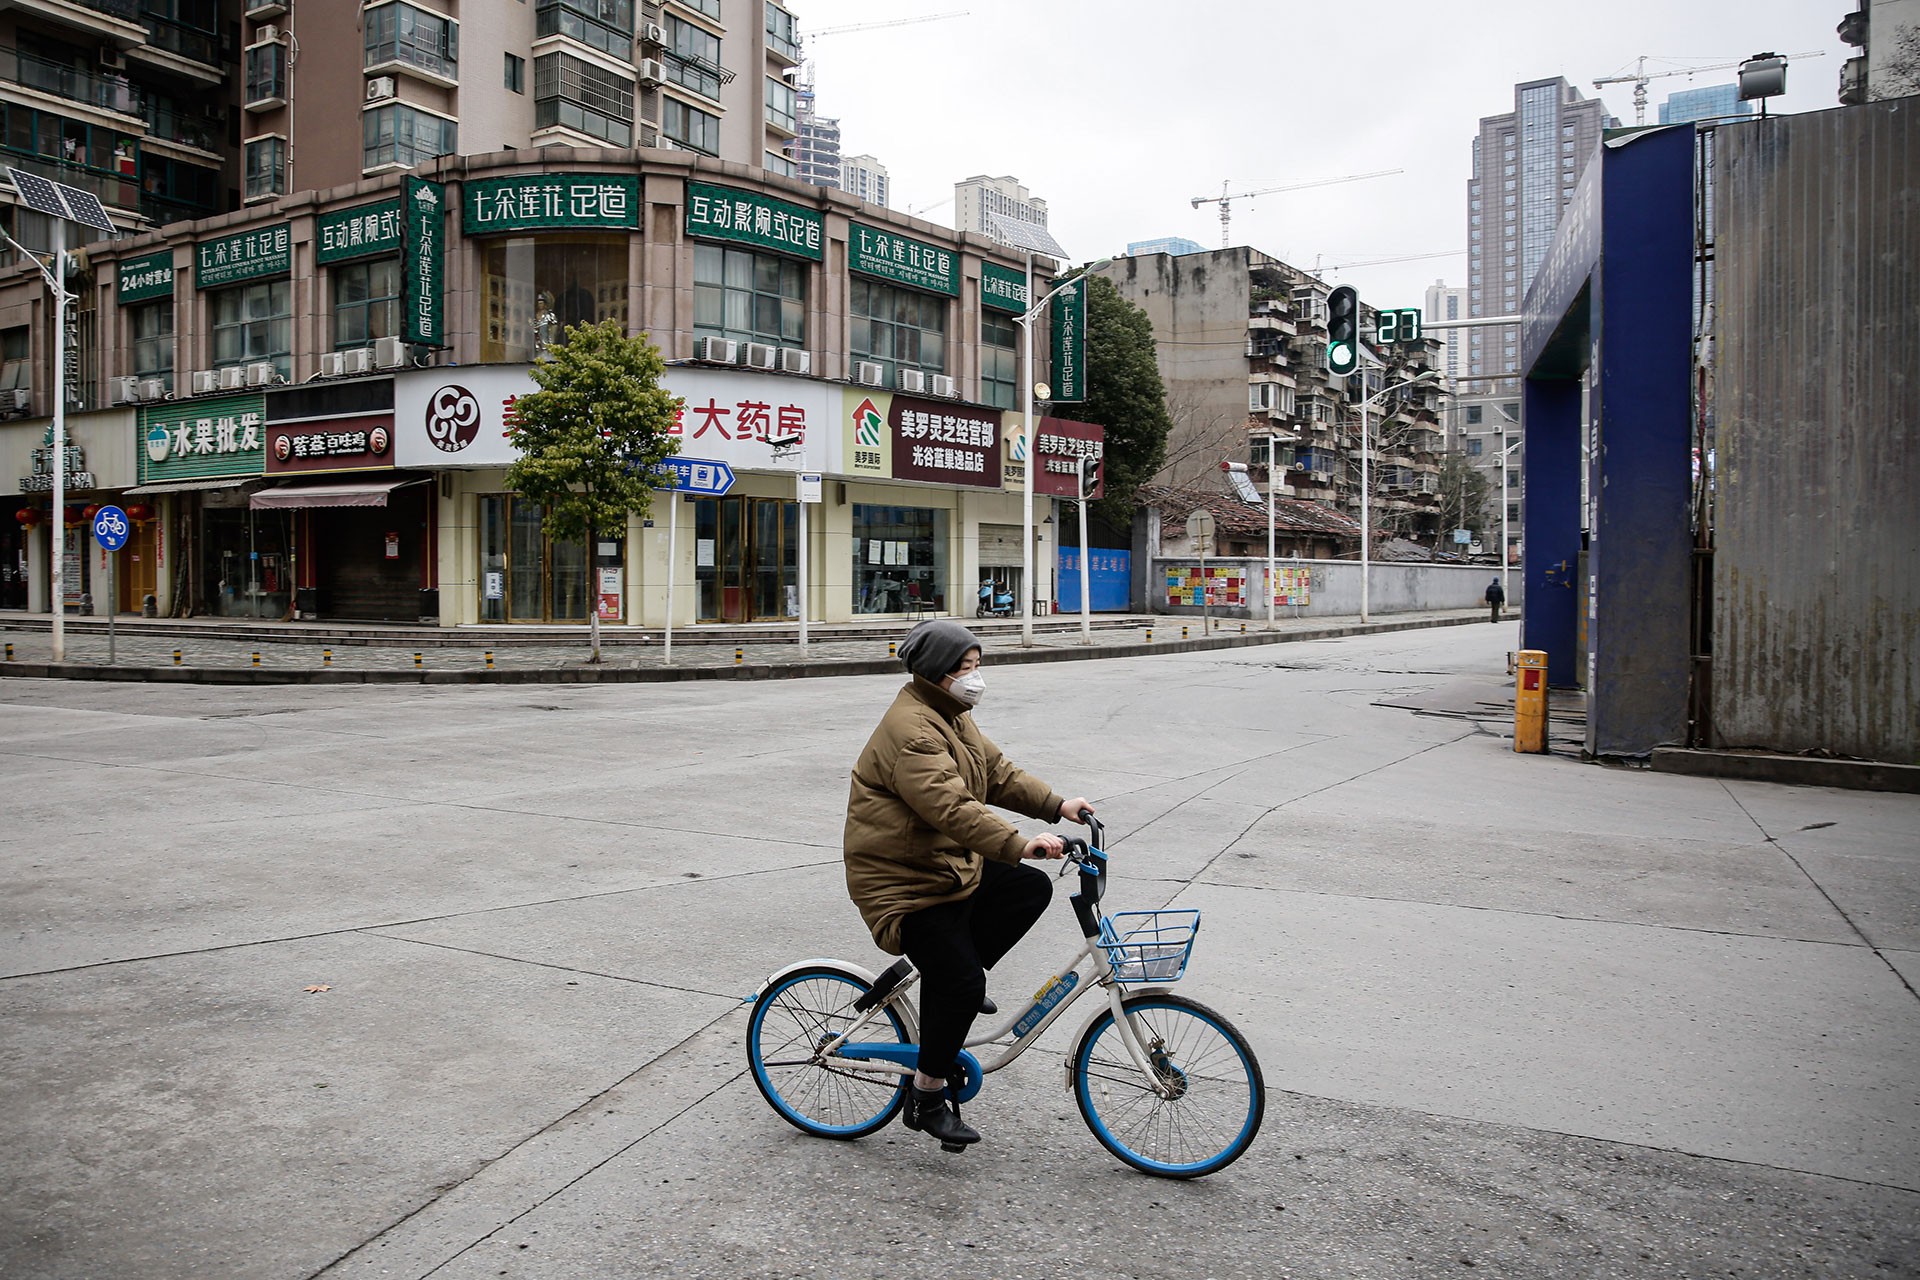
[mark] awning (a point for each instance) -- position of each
(366, 493)
(189, 486)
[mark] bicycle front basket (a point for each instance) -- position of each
(1149, 946)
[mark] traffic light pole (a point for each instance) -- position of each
(1086, 577)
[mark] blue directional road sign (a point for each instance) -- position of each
(696, 475)
(111, 527)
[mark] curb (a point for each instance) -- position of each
(672, 675)
(1801, 771)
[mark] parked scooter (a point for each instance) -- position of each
(995, 601)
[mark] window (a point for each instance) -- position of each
(749, 297)
(583, 97)
(16, 358)
(690, 127)
(782, 38)
(999, 360)
(693, 58)
(1473, 448)
(1265, 396)
(1513, 478)
(1513, 513)
(531, 289)
(606, 25)
(267, 73)
(898, 328)
(400, 134)
(254, 322)
(402, 33)
(709, 7)
(777, 163)
(899, 558)
(1474, 412)
(151, 325)
(266, 168)
(366, 301)
(516, 73)
(782, 103)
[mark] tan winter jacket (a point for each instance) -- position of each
(917, 816)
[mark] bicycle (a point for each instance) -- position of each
(1163, 1082)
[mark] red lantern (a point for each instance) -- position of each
(75, 517)
(29, 516)
(86, 517)
(140, 513)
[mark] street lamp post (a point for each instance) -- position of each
(1366, 485)
(1504, 557)
(1273, 447)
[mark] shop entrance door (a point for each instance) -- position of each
(139, 562)
(747, 556)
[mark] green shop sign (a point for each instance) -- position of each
(358, 233)
(721, 213)
(148, 277)
(1003, 289)
(251, 255)
(1070, 342)
(422, 269)
(875, 251)
(543, 201)
(203, 439)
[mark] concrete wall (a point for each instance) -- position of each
(1392, 588)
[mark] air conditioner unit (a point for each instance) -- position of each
(356, 360)
(231, 378)
(125, 389)
(869, 373)
(332, 364)
(380, 88)
(652, 71)
(912, 380)
(943, 385)
(653, 33)
(204, 382)
(260, 374)
(151, 389)
(112, 58)
(269, 34)
(760, 355)
(1320, 477)
(794, 360)
(389, 353)
(717, 351)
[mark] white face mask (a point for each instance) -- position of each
(969, 688)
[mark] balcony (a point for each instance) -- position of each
(108, 93)
(201, 133)
(118, 20)
(186, 51)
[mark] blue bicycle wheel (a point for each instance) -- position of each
(791, 1020)
(1203, 1107)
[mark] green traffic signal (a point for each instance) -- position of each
(1343, 330)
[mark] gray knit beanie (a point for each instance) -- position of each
(933, 649)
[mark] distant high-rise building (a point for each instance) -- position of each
(980, 196)
(1711, 102)
(866, 178)
(1886, 32)
(1175, 245)
(816, 145)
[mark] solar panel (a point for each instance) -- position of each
(58, 200)
(1030, 236)
(86, 208)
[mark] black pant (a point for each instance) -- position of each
(955, 943)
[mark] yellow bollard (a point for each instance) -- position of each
(489, 659)
(1530, 702)
(176, 657)
(739, 656)
(891, 646)
(418, 660)
(256, 658)
(9, 652)
(1183, 633)
(326, 657)
(1243, 628)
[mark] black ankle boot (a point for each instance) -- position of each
(930, 1111)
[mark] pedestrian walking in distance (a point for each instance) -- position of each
(1496, 596)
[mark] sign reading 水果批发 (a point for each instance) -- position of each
(876, 251)
(251, 255)
(538, 201)
(144, 278)
(1002, 288)
(360, 232)
(424, 207)
(203, 438)
(1070, 342)
(746, 217)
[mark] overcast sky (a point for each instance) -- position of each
(1118, 112)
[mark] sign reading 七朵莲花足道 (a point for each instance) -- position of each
(251, 255)
(423, 235)
(1070, 342)
(746, 217)
(537, 201)
(876, 251)
(1003, 288)
(145, 278)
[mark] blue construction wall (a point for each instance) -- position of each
(1109, 575)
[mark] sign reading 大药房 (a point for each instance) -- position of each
(203, 439)
(359, 232)
(1070, 342)
(745, 217)
(1003, 288)
(251, 255)
(876, 251)
(147, 277)
(541, 201)
(424, 207)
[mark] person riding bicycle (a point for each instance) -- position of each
(936, 874)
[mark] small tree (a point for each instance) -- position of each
(1464, 489)
(1125, 395)
(591, 438)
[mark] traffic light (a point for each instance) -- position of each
(1343, 330)
(1089, 477)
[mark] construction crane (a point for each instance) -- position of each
(1226, 198)
(1376, 262)
(1640, 75)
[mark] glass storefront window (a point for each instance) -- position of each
(749, 297)
(366, 301)
(526, 576)
(746, 559)
(532, 289)
(899, 559)
(898, 328)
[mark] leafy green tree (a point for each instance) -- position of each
(591, 438)
(1125, 395)
(1464, 489)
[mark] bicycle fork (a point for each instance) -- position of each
(1149, 1055)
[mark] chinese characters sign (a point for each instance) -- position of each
(864, 442)
(721, 213)
(1002, 288)
(1291, 586)
(358, 233)
(251, 255)
(41, 465)
(420, 261)
(337, 444)
(537, 201)
(876, 251)
(1062, 443)
(945, 443)
(1070, 342)
(1223, 586)
(203, 439)
(148, 277)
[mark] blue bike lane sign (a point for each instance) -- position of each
(111, 528)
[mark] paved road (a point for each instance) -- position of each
(1520, 1015)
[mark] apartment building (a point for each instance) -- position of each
(865, 178)
(979, 199)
